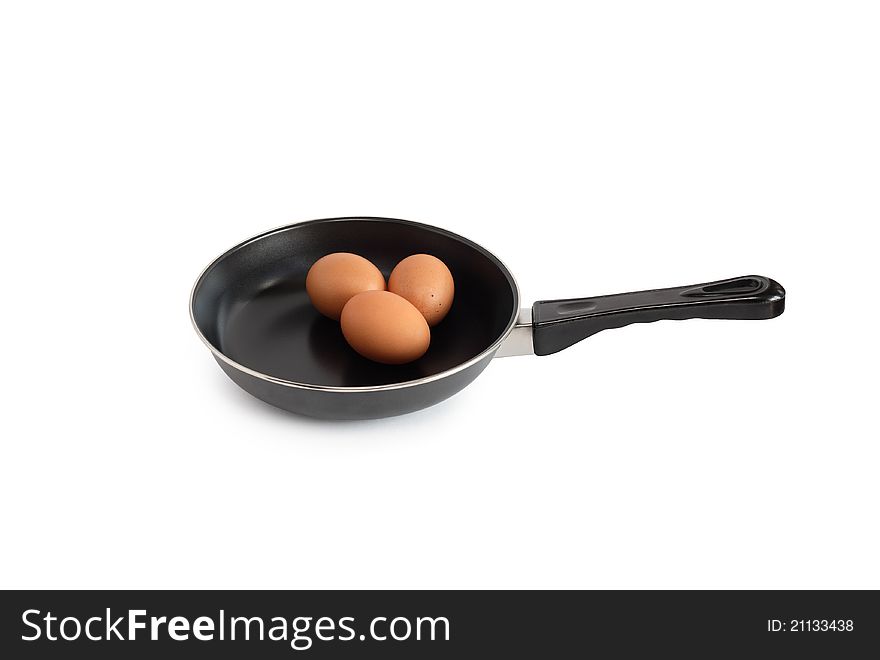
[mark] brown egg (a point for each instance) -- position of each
(427, 283)
(385, 328)
(335, 278)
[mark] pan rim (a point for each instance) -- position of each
(488, 352)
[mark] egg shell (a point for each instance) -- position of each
(426, 282)
(335, 278)
(385, 328)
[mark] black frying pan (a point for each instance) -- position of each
(251, 309)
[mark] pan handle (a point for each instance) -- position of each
(557, 324)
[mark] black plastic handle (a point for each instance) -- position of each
(558, 324)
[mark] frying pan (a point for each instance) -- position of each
(250, 308)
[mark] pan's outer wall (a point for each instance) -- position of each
(342, 405)
(329, 389)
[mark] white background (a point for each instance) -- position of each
(595, 148)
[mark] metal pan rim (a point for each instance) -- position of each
(487, 353)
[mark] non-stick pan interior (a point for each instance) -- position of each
(252, 306)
